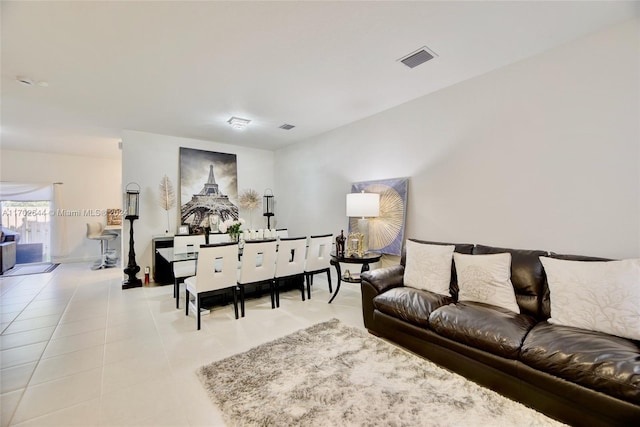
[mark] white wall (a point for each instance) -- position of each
(90, 184)
(542, 154)
(146, 158)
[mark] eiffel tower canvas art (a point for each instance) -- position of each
(208, 187)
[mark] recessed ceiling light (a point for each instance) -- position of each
(27, 81)
(238, 123)
(24, 80)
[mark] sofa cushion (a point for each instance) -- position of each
(428, 267)
(602, 362)
(527, 277)
(486, 279)
(409, 304)
(489, 328)
(461, 248)
(600, 296)
(546, 299)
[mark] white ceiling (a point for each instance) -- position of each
(183, 68)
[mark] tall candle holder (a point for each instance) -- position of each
(132, 210)
(267, 205)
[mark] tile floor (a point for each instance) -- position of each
(77, 350)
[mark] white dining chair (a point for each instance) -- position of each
(217, 269)
(218, 238)
(183, 269)
(318, 258)
(290, 263)
(258, 266)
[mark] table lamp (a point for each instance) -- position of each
(363, 205)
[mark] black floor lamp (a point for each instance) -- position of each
(132, 209)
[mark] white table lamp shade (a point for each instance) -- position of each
(363, 204)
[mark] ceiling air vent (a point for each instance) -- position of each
(286, 127)
(418, 57)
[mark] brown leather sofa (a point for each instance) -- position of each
(577, 376)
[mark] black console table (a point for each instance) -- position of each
(161, 268)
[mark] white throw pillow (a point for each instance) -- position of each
(599, 296)
(428, 267)
(486, 279)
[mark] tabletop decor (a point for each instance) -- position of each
(354, 245)
(331, 374)
(167, 198)
(249, 199)
(232, 227)
(340, 243)
(114, 217)
(206, 226)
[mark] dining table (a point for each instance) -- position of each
(172, 257)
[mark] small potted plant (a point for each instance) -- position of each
(232, 227)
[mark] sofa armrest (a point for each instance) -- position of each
(7, 256)
(375, 282)
(383, 279)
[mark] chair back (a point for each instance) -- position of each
(187, 244)
(291, 256)
(218, 238)
(258, 261)
(282, 232)
(94, 230)
(319, 252)
(217, 267)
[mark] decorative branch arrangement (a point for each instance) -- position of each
(249, 199)
(167, 196)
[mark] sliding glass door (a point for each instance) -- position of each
(31, 222)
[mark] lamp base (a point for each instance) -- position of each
(363, 228)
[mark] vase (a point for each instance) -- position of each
(234, 237)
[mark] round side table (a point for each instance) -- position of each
(364, 260)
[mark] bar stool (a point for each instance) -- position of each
(108, 258)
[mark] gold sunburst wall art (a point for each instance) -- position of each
(386, 232)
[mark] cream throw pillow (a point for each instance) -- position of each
(599, 296)
(428, 267)
(486, 279)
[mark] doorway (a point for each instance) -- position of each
(31, 222)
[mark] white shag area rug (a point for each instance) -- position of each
(335, 375)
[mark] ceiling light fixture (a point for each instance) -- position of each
(27, 81)
(238, 123)
(24, 80)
